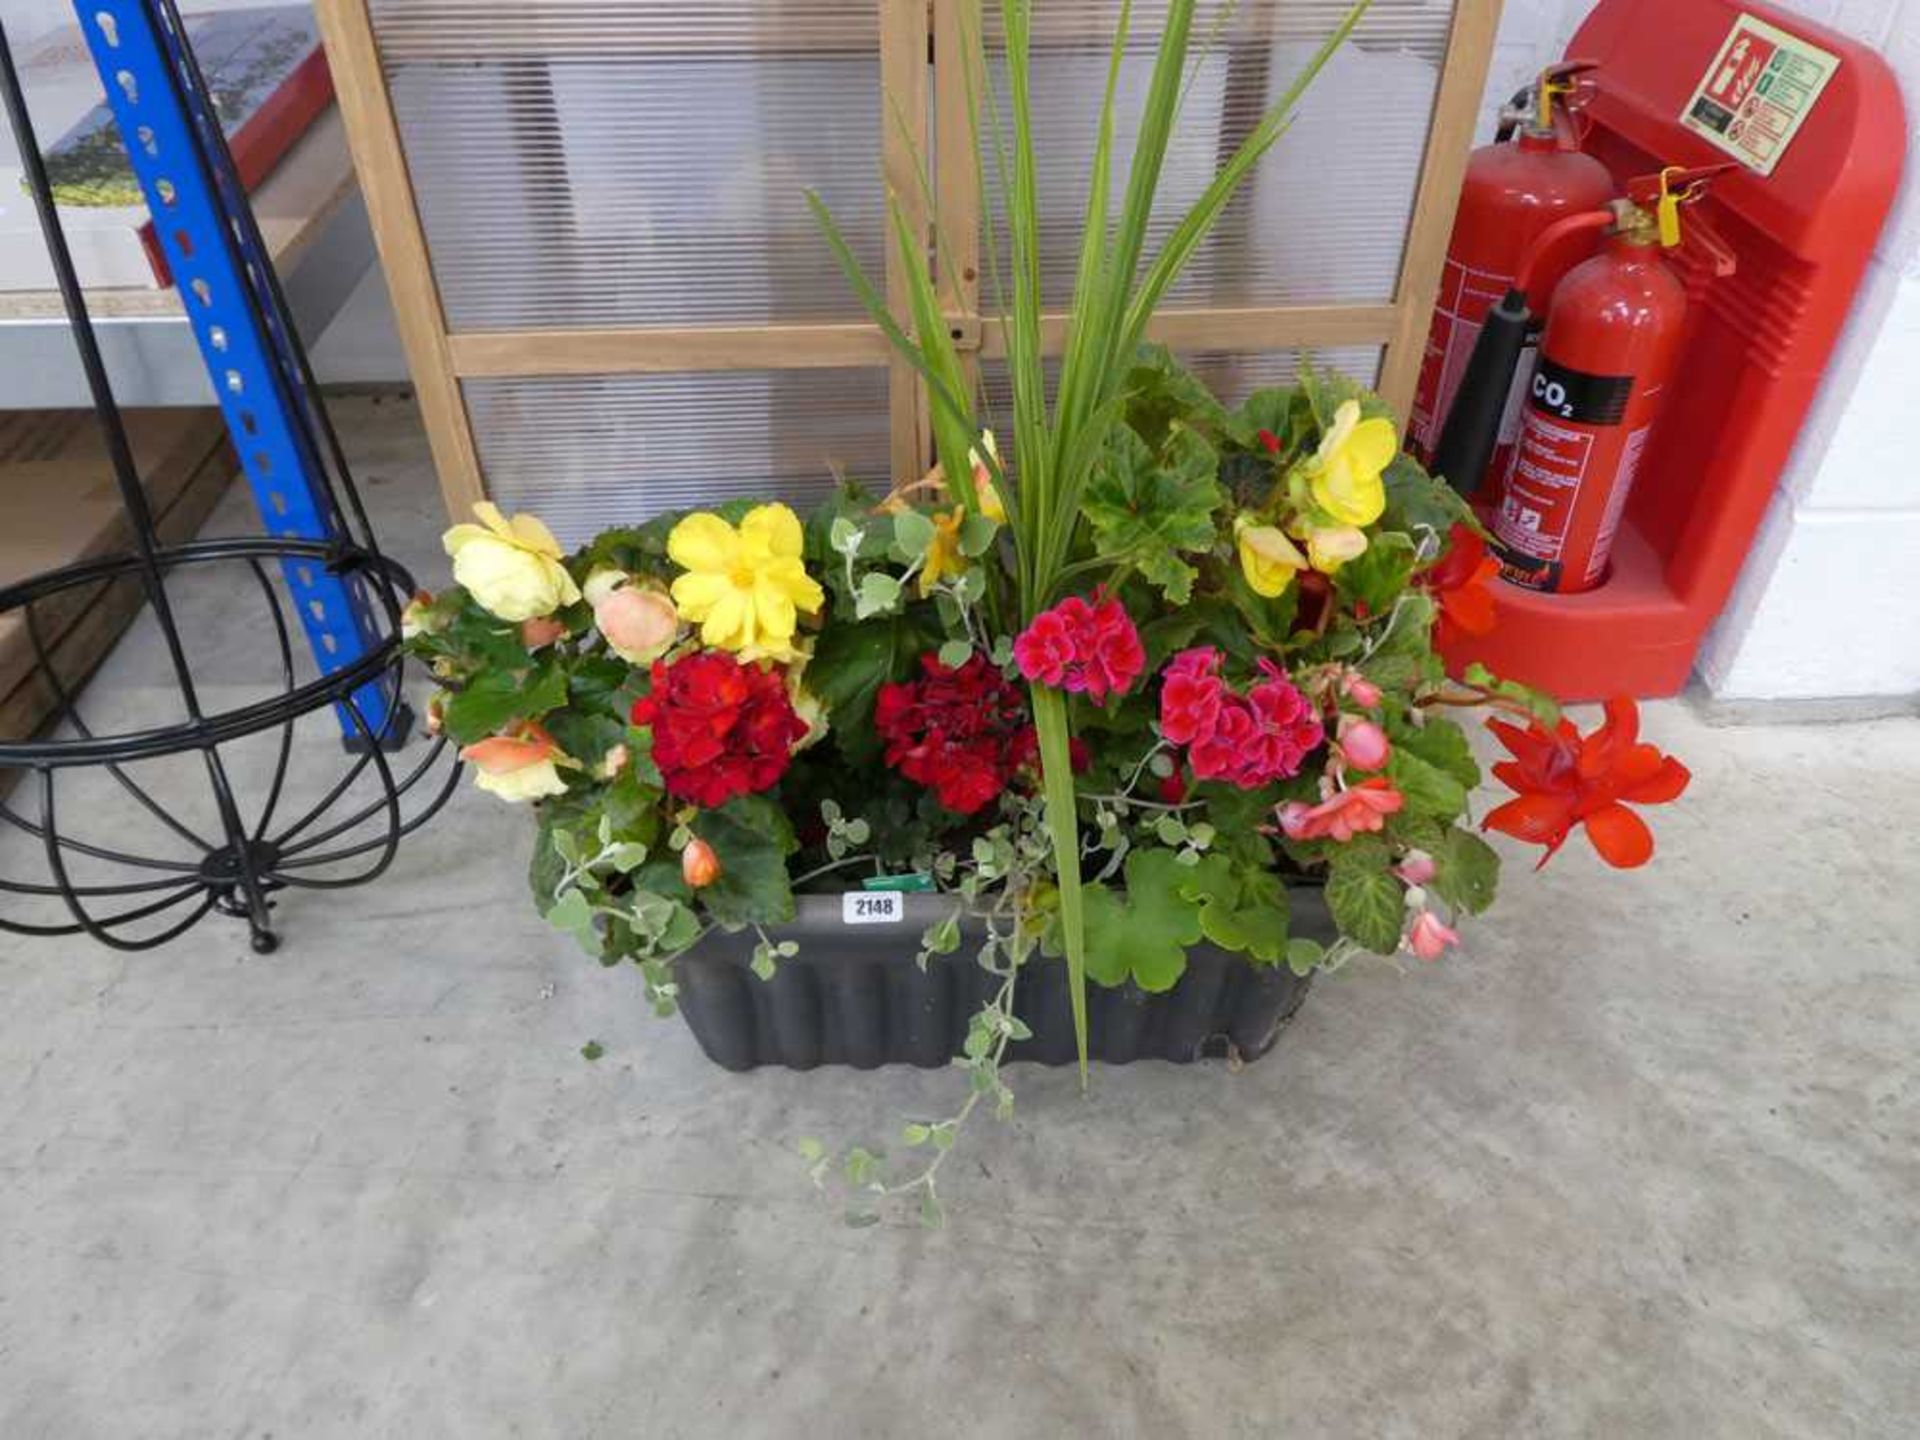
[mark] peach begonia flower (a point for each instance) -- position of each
(1344, 814)
(518, 766)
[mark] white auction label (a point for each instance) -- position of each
(873, 907)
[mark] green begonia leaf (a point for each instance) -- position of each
(1429, 790)
(1467, 871)
(1379, 573)
(1367, 902)
(495, 698)
(851, 662)
(752, 837)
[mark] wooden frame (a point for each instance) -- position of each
(908, 31)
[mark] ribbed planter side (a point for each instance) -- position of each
(855, 996)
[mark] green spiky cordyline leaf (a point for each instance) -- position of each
(1113, 301)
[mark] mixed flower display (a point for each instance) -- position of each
(710, 709)
(1118, 691)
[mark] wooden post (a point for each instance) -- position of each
(361, 88)
(903, 158)
(958, 213)
(1456, 104)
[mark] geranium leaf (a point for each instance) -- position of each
(1144, 932)
(1160, 392)
(1243, 910)
(1151, 508)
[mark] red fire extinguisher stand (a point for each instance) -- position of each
(1816, 122)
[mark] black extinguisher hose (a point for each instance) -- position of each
(1472, 429)
(1517, 105)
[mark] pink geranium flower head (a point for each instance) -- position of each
(1191, 695)
(1090, 649)
(1246, 740)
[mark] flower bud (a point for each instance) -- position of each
(1361, 690)
(1430, 936)
(1417, 869)
(640, 623)
(602, 583)
(614, 761)
(699, 866)
(1363, 744)
(540, 631)
(420, 618)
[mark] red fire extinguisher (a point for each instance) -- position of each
(1612, 338)
(1515, 188)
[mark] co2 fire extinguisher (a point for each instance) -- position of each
(1514, 189)
(1612, 338)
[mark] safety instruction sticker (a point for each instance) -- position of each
(1758, 92)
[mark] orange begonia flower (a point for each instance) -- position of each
(1460, 585)
(1566, 779)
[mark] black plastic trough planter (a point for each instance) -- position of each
(855, 996)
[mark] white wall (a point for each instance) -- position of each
(1824, 607)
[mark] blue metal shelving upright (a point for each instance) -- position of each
(232, 299)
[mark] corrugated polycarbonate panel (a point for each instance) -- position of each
(587, 452)
(582, 163)
(1324, 217)
(1231, 375)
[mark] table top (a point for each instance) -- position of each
(314, 222)
(293, 206)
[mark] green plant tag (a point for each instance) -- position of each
(915, 884)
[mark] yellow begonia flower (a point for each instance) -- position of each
(745, 587)
(991, 505)
(944, 556)
(808, 706)
(1328, 550)
(511, 567)
(1346, 470)
(1267, 558)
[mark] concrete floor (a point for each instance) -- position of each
(1642, 1162)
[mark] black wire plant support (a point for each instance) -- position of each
(131, 899)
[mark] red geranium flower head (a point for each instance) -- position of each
(721, 728)
(962, 732)
(1566, 779)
